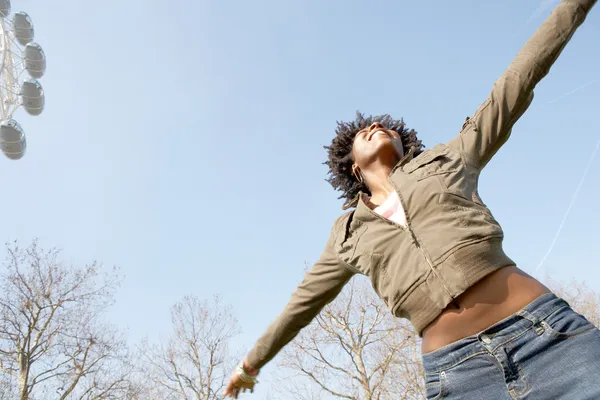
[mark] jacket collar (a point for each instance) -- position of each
(358, 199)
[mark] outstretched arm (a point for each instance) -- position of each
(322, 283)
(489, 128)
(320, 286)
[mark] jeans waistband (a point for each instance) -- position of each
(494, 336)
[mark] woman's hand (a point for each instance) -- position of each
(239, 385)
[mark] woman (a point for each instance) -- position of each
(433, 252)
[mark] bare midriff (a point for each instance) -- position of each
(492, 299)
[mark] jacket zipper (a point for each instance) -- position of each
(416, 241)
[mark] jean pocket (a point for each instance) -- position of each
(566, 323)
(435, 385)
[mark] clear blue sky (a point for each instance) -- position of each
(183, 140)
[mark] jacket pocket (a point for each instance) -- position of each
(464, 214)
(377, 272)
(346, 246)
(459, 203)
(436, 161)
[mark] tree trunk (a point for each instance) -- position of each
(23, 376)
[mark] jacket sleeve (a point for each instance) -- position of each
(322, 283)
(483, 134)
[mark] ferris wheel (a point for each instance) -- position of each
(22, 63)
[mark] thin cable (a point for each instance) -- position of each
(562, 224)
(572, 91)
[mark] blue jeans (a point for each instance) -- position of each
(546, 351)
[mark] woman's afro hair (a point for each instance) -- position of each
(340, 151)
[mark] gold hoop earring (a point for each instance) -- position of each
(358, 176)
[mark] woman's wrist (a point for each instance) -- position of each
(249, 369)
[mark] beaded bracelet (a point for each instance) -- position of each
(244, 376)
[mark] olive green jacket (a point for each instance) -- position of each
(451, 239)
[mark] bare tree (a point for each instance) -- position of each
(99, 365)
(52, 342)
(194, 363)
(7, 387)
(582, 299)
(355, 349)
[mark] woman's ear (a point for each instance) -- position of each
(356, 173)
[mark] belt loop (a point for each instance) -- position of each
(529, 316)
(538, 324)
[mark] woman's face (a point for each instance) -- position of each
(377, 145)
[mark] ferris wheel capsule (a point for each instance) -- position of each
(33, 96)
(22, 63)
(12, 139)
(35, 60)
(4, 8)
(23, 27)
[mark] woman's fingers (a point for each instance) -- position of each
(235, 387)
(229, 391)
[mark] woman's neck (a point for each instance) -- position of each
(379, 185)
